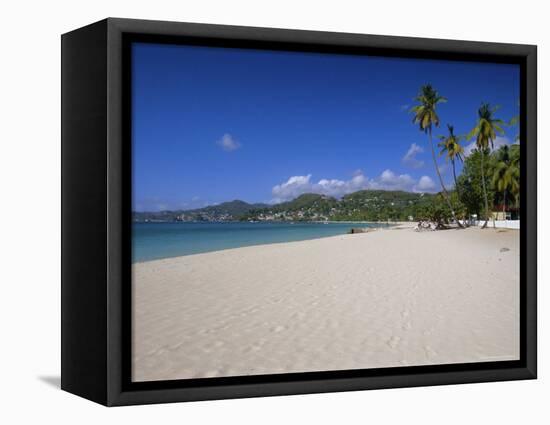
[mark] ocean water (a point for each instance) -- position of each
(153, 241)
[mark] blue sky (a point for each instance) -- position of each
(214, 124)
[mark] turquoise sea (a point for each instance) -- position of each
(153, 241)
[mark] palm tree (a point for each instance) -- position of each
(515, 162)
(452, 149)
(426, 117)
(485, 132)
(506, 175)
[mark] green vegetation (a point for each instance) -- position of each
(499, 172)
(505, 171)
(485, 132)
(489, 178)
(363, 205)
(470, 183)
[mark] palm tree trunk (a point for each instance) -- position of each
(445, 193)
(456, 185)
(454, 175)
(484, 189)
(504, 205)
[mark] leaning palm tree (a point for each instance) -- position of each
(452, 149)
(426, 117)
(485, 132)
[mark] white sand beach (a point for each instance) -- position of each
(386, 298)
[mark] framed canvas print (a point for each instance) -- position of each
(253, 212)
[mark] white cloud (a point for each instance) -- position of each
(497, 143)
(410, 157)
(293, 187)
(469, 148)
(298, 185)
(228, 143)
(501, 141)
(338, 188)
(425, 184)
(388, 180)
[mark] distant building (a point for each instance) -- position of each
(510, 213)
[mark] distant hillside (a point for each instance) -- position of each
(222, 212)
(364, 205)
(234, 208)
(307, 200)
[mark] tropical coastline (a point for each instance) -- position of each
(302, 226)
(379, 299)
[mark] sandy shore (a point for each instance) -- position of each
(386, 298)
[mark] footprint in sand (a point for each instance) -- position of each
(430, 352)
(299, 315)
(253, 348)
(407, 324)
(393, 342)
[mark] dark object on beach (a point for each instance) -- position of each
(504, 249)
(357, 230)
(429, 225)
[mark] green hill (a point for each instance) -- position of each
(226, 211)
(307, 200)
(234, 208)
(363, 205)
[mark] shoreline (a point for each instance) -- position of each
(260, 245)
(378, 299)
(393, 226)
(274, 221)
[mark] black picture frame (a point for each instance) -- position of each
(96, 200)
